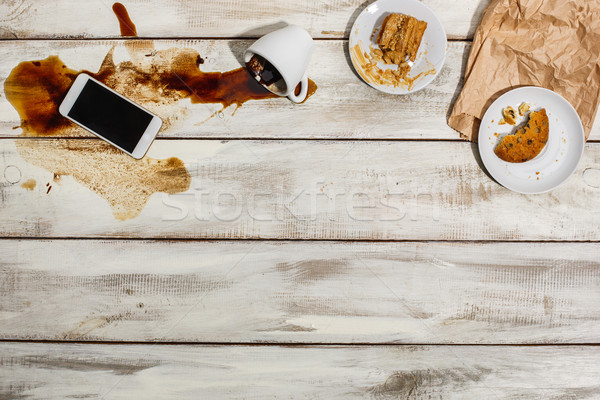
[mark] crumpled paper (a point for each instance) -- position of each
(554, 44)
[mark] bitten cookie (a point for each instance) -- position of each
(527, 142)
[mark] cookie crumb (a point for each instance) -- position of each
(510, 116)
(523, 108)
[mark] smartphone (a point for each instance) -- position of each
(110, 116)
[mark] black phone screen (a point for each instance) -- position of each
(110, 116)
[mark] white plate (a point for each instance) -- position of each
(558, 159)
(432, 52)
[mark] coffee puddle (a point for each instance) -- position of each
(125, 183)
(155, 79)
(36, 89)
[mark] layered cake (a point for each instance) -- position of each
(400, 37)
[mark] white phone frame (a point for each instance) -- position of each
(149, 134)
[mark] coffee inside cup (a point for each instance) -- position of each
(266, 74)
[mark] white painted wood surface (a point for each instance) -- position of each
(299, 292)
(509, 291)
(342, 108)
(41, 371)
(302, 190)
(22, 19)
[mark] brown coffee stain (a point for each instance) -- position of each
(126, 183)
(36, 89)
(125, 23)
(366, 67)
(29, 184)
(312, 88)
(157, 80)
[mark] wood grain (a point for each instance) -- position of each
(22, 19)
(58, 371)
(505, 291)
(299, 292)
(301, 190)
(343, 106)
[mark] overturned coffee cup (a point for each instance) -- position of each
(279, 60)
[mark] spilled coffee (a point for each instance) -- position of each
(266, 74)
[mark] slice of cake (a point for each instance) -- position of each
(400, 37)
(527, 142)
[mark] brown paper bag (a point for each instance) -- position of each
(549, 43)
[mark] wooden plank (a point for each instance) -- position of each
(285, 190)
(299, 292)
(343, 106)
(219, 18)
(58, 371)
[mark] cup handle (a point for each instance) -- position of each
(303, 91)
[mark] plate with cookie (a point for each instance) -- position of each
(397, 47)
(531, 140)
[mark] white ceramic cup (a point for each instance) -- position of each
(288, 50)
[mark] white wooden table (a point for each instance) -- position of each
(348, 247)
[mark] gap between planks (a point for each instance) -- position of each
(295, 344)
(282, 240)
(145, 38)
(264, 139)
(256, 138)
